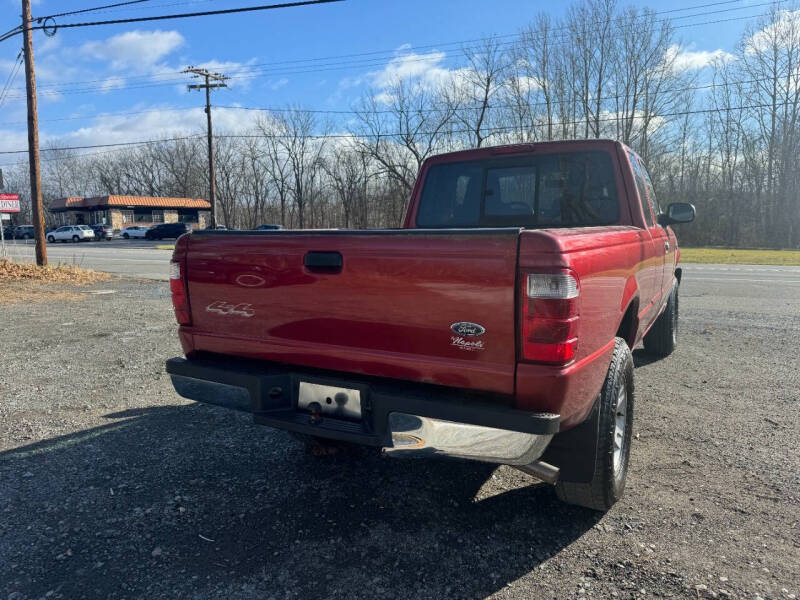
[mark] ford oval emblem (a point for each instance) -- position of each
(468, 329)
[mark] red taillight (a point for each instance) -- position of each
(180, 301)
(550, 317)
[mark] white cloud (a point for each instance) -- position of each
(423, 71)
(688, 60)
(276, 85)
(146, 123)
(10, 141)
(384, 98)
(138, 50)
(525, 84)
(154, 123)
(112, 83)
(783, 30)
(425, 67)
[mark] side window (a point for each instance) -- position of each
(451, 196)
(641, 186)
(651, 193)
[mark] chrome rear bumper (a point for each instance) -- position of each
(403, 419)
(416, 436)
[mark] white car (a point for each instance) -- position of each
(71, 233)
(135, 231)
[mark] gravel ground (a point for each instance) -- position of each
(111, 486)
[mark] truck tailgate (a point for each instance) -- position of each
(389, 310)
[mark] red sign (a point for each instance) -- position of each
(9, 203)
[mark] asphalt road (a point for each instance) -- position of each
(139, 258)
(128, 258)
(112, 486)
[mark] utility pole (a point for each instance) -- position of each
(33, 137)
(212, 80)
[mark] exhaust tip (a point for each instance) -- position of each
(405, 441)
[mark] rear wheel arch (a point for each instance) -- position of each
(605, 449)
(629, 324)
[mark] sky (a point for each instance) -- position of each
(120, 83)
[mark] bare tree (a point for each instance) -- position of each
(346, 169)
(402, 127)
(298, 137)
(472, 89)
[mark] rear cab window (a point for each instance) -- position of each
(566, 189)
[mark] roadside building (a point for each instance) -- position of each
(124, 211)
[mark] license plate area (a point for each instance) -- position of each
(330, 401)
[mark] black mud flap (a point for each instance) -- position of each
(574, 451)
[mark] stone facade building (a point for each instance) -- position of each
(124, 211)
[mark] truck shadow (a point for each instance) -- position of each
(195, 501)
(643, 359)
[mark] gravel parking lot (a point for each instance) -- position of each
(111, 486)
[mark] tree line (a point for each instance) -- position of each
(725, 137)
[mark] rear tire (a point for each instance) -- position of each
(613, 438)
(126, 236)
(662, 339)
(75, 239)
(51, 239)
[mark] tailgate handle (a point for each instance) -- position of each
(327, 262)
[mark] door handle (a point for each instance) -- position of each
(325, 262)
(666, 246)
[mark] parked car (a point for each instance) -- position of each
(497, 325)
(268, 227)
(134, 231)
(23, 232)
(8, 232)
(73, 233)
(103, 232)
(168, 230)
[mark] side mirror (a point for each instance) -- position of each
(677, 212)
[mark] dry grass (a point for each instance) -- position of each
(22, 283)
(735, 256)
(68, 274)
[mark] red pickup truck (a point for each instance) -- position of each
(495, 325)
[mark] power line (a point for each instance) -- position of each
(254, 71)
(207, 13)
(112, 114)
(712, 86)
(11, 33)
(707, 86)
(85, 154)
(488, 130)
(11, 76)
(87, 10)
(111, 145)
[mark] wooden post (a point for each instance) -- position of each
(208, 86)
(212, 181)
(33, 137)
